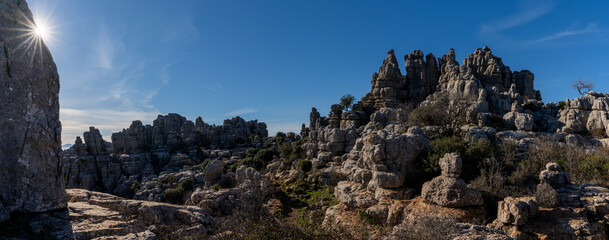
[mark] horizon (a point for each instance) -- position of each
(125, 61)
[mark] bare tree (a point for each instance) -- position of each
(583, 86)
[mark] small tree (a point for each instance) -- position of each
(583, 86)
(346, 101)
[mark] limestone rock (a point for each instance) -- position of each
(353, 195)
(451, 165)
(516, 211)
(100, 215)
(553, 176)
(172, 130)
(450, 192)
(30, 147)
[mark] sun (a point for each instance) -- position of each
(40, 30)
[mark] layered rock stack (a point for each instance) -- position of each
(173, 130)
(589, 113)
(553, 176)
(143, 152)
(30, 164)
(448, 190)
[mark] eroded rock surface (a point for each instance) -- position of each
(30, 146)
(448, 190)
(96, 215)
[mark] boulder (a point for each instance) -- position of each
(450, 192)
(516, 211)
(553, 176)
(451, 165)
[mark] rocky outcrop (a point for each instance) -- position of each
(388, 85)
(174, 130)
(582, 211)
(139, 156)
(586, 114)
(30, 146)
(448, 190)
(99, 215)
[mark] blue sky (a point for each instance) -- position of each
(273, 60)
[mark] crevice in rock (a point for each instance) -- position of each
(8, 68)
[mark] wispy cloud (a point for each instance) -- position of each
(590, 28)
(106, 49)
(241, 111)
(530, 12)
(214, 87)
(75, 121)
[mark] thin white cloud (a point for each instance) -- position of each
(214, 87)
(106, 49)
(590, 28)
(241, 111)
(532, 11)
(76, 121)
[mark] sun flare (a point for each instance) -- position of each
(40, 31)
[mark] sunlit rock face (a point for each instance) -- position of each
(30, 166)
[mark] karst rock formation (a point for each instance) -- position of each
(30, 146)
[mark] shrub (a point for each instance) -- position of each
(264, 155)
(173, 195)
(425, 228)
(186, 185)
(472, 154)
(305, 166)
(251, 152)
(424, 116)
(204, 164)
(216, 187)
(323, 196)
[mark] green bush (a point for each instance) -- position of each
(264, 155)
(472, 154)
(173, 195)
(204, 164)
(425, 116)
(251, 152)
(305, 166)
(321, 196)
(186, 185)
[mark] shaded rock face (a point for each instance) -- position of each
(133, 165)
(30, 146)
(173, 130)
